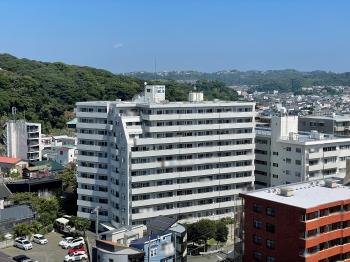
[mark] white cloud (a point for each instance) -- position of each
(118, 45)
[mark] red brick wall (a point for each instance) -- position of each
(288, 229)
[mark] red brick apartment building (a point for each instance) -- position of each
(308, 221)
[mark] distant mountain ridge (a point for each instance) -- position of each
(283, 80)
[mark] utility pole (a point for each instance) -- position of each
(96, 210)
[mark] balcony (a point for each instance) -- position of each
(92, 136)
(191, 173)
(197, 196)
(192, 185)
(190, 139)
(92, 159)
(197, 116)
(94, 170)
(90, 181)
(150, 212)
(189, 162)
(89, 192)
(193, 150)
(198, 127)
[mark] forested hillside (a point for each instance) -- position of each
(283, 80)
(47, 92)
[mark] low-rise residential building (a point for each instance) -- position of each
(329, 124)
(23, 140)
(108, 251)
(124, 235)
(63, 155)
(284, 155)
(156, 247)
(45, 186)
(161, 225)
(307, 221)
(12, 165)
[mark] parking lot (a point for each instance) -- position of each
(51, 252)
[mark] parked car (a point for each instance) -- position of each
(23, 243)
(75, 250)
(39, 239)
(75, 257)
(23, 258)
(70, 242)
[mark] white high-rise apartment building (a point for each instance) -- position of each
(151, 157)
(285, 155)
(23, 140)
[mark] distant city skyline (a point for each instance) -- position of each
(207, 36)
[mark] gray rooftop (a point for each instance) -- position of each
(16, 213)
(161, 223)
(305, 195)
(4, 191)
(303, 137)
(337, 118)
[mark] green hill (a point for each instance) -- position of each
(47, 92)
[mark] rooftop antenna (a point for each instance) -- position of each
(155, 68)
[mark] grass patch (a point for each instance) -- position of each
(212, 242)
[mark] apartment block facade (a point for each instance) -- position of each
(308, 221)
(23, 140)
(338, 125)
(285, 155)
(150, 157)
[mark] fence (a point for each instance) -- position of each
(6, 243)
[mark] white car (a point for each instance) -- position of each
(64, 243)
(70, 242)
(39, 239)
(78, 256)
(23, 243)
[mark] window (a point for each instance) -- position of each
(257, 240)
(298, 162)
(275, 164)
(275, 153)
(270, 244)
(288, 160)
(257, 224)
(270, 211)
(257, 256)
(257, 208)
(270, 228)
(270, 259)
(298, 150)
(153, 252)
(288, 149)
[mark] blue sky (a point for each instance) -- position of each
(124, 36)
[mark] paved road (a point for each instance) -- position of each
(207, 258)
(50, 252)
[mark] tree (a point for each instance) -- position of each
(81, 224)
(22, 230)
(22, 198)
(68, 177)
(221, 232)
(47, 209)
(201, 231)
(36, 226)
